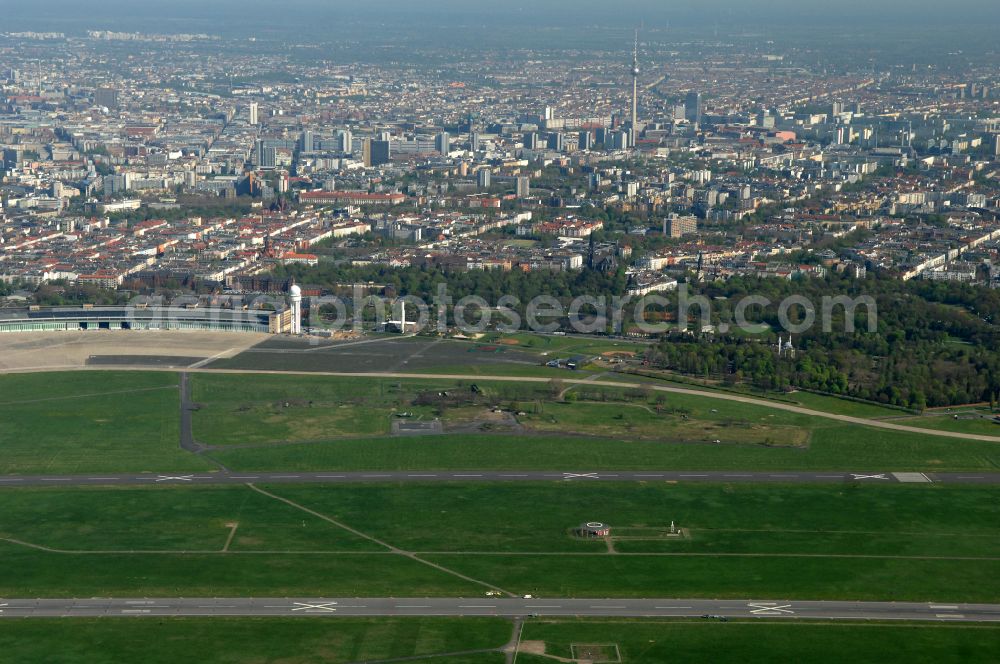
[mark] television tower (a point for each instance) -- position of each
(635, 89)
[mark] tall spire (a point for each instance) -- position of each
(635, 87)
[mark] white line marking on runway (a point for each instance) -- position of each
(428, 475)
(543, 606)
(314, 608)
(879, 476)
(949, 615)
(603, 606)
(331, 477)
(513, 476)
(174, 478)
(690, 475)
(477, 606)
(413, 606)
(769, 608)
(671, 607)
(284, 477)
(102, 478)
(945, 607)
(465, 475)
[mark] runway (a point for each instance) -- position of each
(333, 477)
(505, 607)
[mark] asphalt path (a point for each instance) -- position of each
(492, 606)
(333, 477)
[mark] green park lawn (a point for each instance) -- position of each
(657, 641)
(91, 421)
(832, 446)
(910, 542)
(107, 421)
(250, 640)
(949, 423)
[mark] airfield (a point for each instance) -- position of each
(410, 485)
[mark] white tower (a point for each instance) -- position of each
(635, 90)
(296, 294)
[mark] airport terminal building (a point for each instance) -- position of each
(39, 319)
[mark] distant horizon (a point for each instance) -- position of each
(228, 16)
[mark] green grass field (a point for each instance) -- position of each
(614, 435)
(128, 422)
(79, 422)
(832, 447)
(656, 641)
(250, 641)
(919, 543)
(949, 423)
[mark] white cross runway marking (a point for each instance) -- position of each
(769, 609)
(172, 478)
(1, 607)
(311, 608)
(569, 476)
(880, 476)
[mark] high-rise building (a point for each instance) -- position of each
(996, 145)
(530, 141)
(11, 157)
(345, 141)
(585, 141)
(265, 156)
(678, 226)
(269, 157)
(692, 107)
(253, 113)
(523, 187)
(442, 143)
(307, 141)
(618, 140)
(107, 97)
(474, 141)
(375, 152)
(483, 178)
(557, 141)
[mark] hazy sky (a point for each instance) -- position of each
(243, 13)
